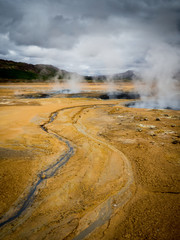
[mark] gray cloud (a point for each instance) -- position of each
(87, 36)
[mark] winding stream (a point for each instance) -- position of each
(47, 173)
(105, 208)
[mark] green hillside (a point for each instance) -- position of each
(11, 71)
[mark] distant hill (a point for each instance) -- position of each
(125, 76)
(128, 75)
(11, 71)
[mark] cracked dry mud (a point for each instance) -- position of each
(121, 182)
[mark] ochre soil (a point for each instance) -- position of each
(121, 183)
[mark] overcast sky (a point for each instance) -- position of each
(87, 36)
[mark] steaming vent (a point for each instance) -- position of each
(152, 105)
(120, 95)
(169, 101)
(158, 82)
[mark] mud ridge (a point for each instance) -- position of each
(106, 210)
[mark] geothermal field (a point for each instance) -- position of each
(86, 165)
(90, 120)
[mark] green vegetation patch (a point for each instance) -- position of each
(17, 74)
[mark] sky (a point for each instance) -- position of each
(88, 36)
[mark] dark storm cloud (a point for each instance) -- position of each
(83, 35)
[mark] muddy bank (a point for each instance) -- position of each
(67, 94)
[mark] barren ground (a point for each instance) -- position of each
(97, 169)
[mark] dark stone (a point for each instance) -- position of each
(175, 141)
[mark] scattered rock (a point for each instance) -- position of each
(144, 119)
(43, 176)
(152, 127)
(152, 134)
(138, 130)
(147, 126)
(158, 119)
(175, 141)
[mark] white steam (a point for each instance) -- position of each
(69, 84)
(56, 86)
(74, 83)
(111, 86)
(158, 87)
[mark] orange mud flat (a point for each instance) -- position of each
(81, 168)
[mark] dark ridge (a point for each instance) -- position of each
(167, 192)
(35, 95)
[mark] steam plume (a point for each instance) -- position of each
(74, 83)
(158, 85)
